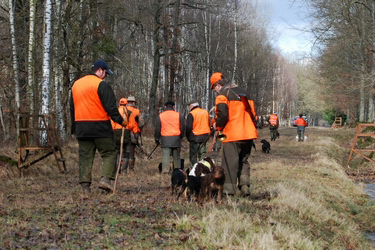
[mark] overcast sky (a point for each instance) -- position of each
(284, 15)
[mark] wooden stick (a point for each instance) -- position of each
(120, 156)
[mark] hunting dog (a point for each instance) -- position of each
(212, 185)
(266, 146)
(199, 169)
(178, 182)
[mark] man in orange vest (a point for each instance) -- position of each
(301, 125)
(273, 120)
(235, 116)
(92, 106)
(135, 132)
(169, 130)
(197, 131)
(124, 111)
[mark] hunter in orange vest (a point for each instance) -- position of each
(273, 121)
(169, 130)
(301, 125)
(92, 106)
(236, 120)
(197, 131)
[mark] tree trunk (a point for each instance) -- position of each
(46, 57)
(30, 60)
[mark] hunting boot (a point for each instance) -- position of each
(124, 165)
(131, 164)
(245, 190)
(105, 183)
(86, 189)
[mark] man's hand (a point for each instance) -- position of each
(157, 142)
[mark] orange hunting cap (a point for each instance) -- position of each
(123, 101)
(215, 78)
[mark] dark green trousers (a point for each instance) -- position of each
(193, 152)
(87, 149)
(167, 153)
(236, 165)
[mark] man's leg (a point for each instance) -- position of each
(230, 162)
(302, 134)
(244, 168)
(176, 157)
(165, 160)
(107, 150)
(193, 152)
(86, 158)
(202, 150)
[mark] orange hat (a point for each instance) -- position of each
(215, 78)
(123, 101)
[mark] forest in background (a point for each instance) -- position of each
(167, 49)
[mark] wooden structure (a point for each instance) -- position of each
(361, 135)
(337, 123)
(40, 137)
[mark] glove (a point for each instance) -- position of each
(157, 142)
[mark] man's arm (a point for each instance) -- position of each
(108, 99)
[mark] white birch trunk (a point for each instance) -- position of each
(30, 58)
(60, 125)
(14, 53)
(235, 41)
(46, 57)
(207, 36)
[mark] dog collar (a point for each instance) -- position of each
(206, 163)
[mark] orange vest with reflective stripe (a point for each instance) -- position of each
(200, 121)
(87, 105)
(136, 112)
(273, 120)
(240, 125)
(170, 123)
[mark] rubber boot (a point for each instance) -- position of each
(124, 166)
(131, 164)
(105, 183)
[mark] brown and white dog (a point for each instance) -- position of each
(199, 169)
(212, 185)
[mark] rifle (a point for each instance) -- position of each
(157, 145)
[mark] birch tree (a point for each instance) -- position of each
(46, 57)
(30, 57)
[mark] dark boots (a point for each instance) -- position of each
(124, 165)
(131, 164)
(105, 184)
(86, 188)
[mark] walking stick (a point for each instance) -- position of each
(120, 156)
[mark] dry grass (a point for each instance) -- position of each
(301, 199)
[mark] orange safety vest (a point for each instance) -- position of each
(273, 120)
(301, 122)
(200, 121)
(136, 112)
(240, 125)
(170, 123)
(87, 104)
(131, 119)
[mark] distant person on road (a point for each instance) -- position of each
(273, 121)
(169, 131)
(92, 106)
(197, 131)
(301, 125)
